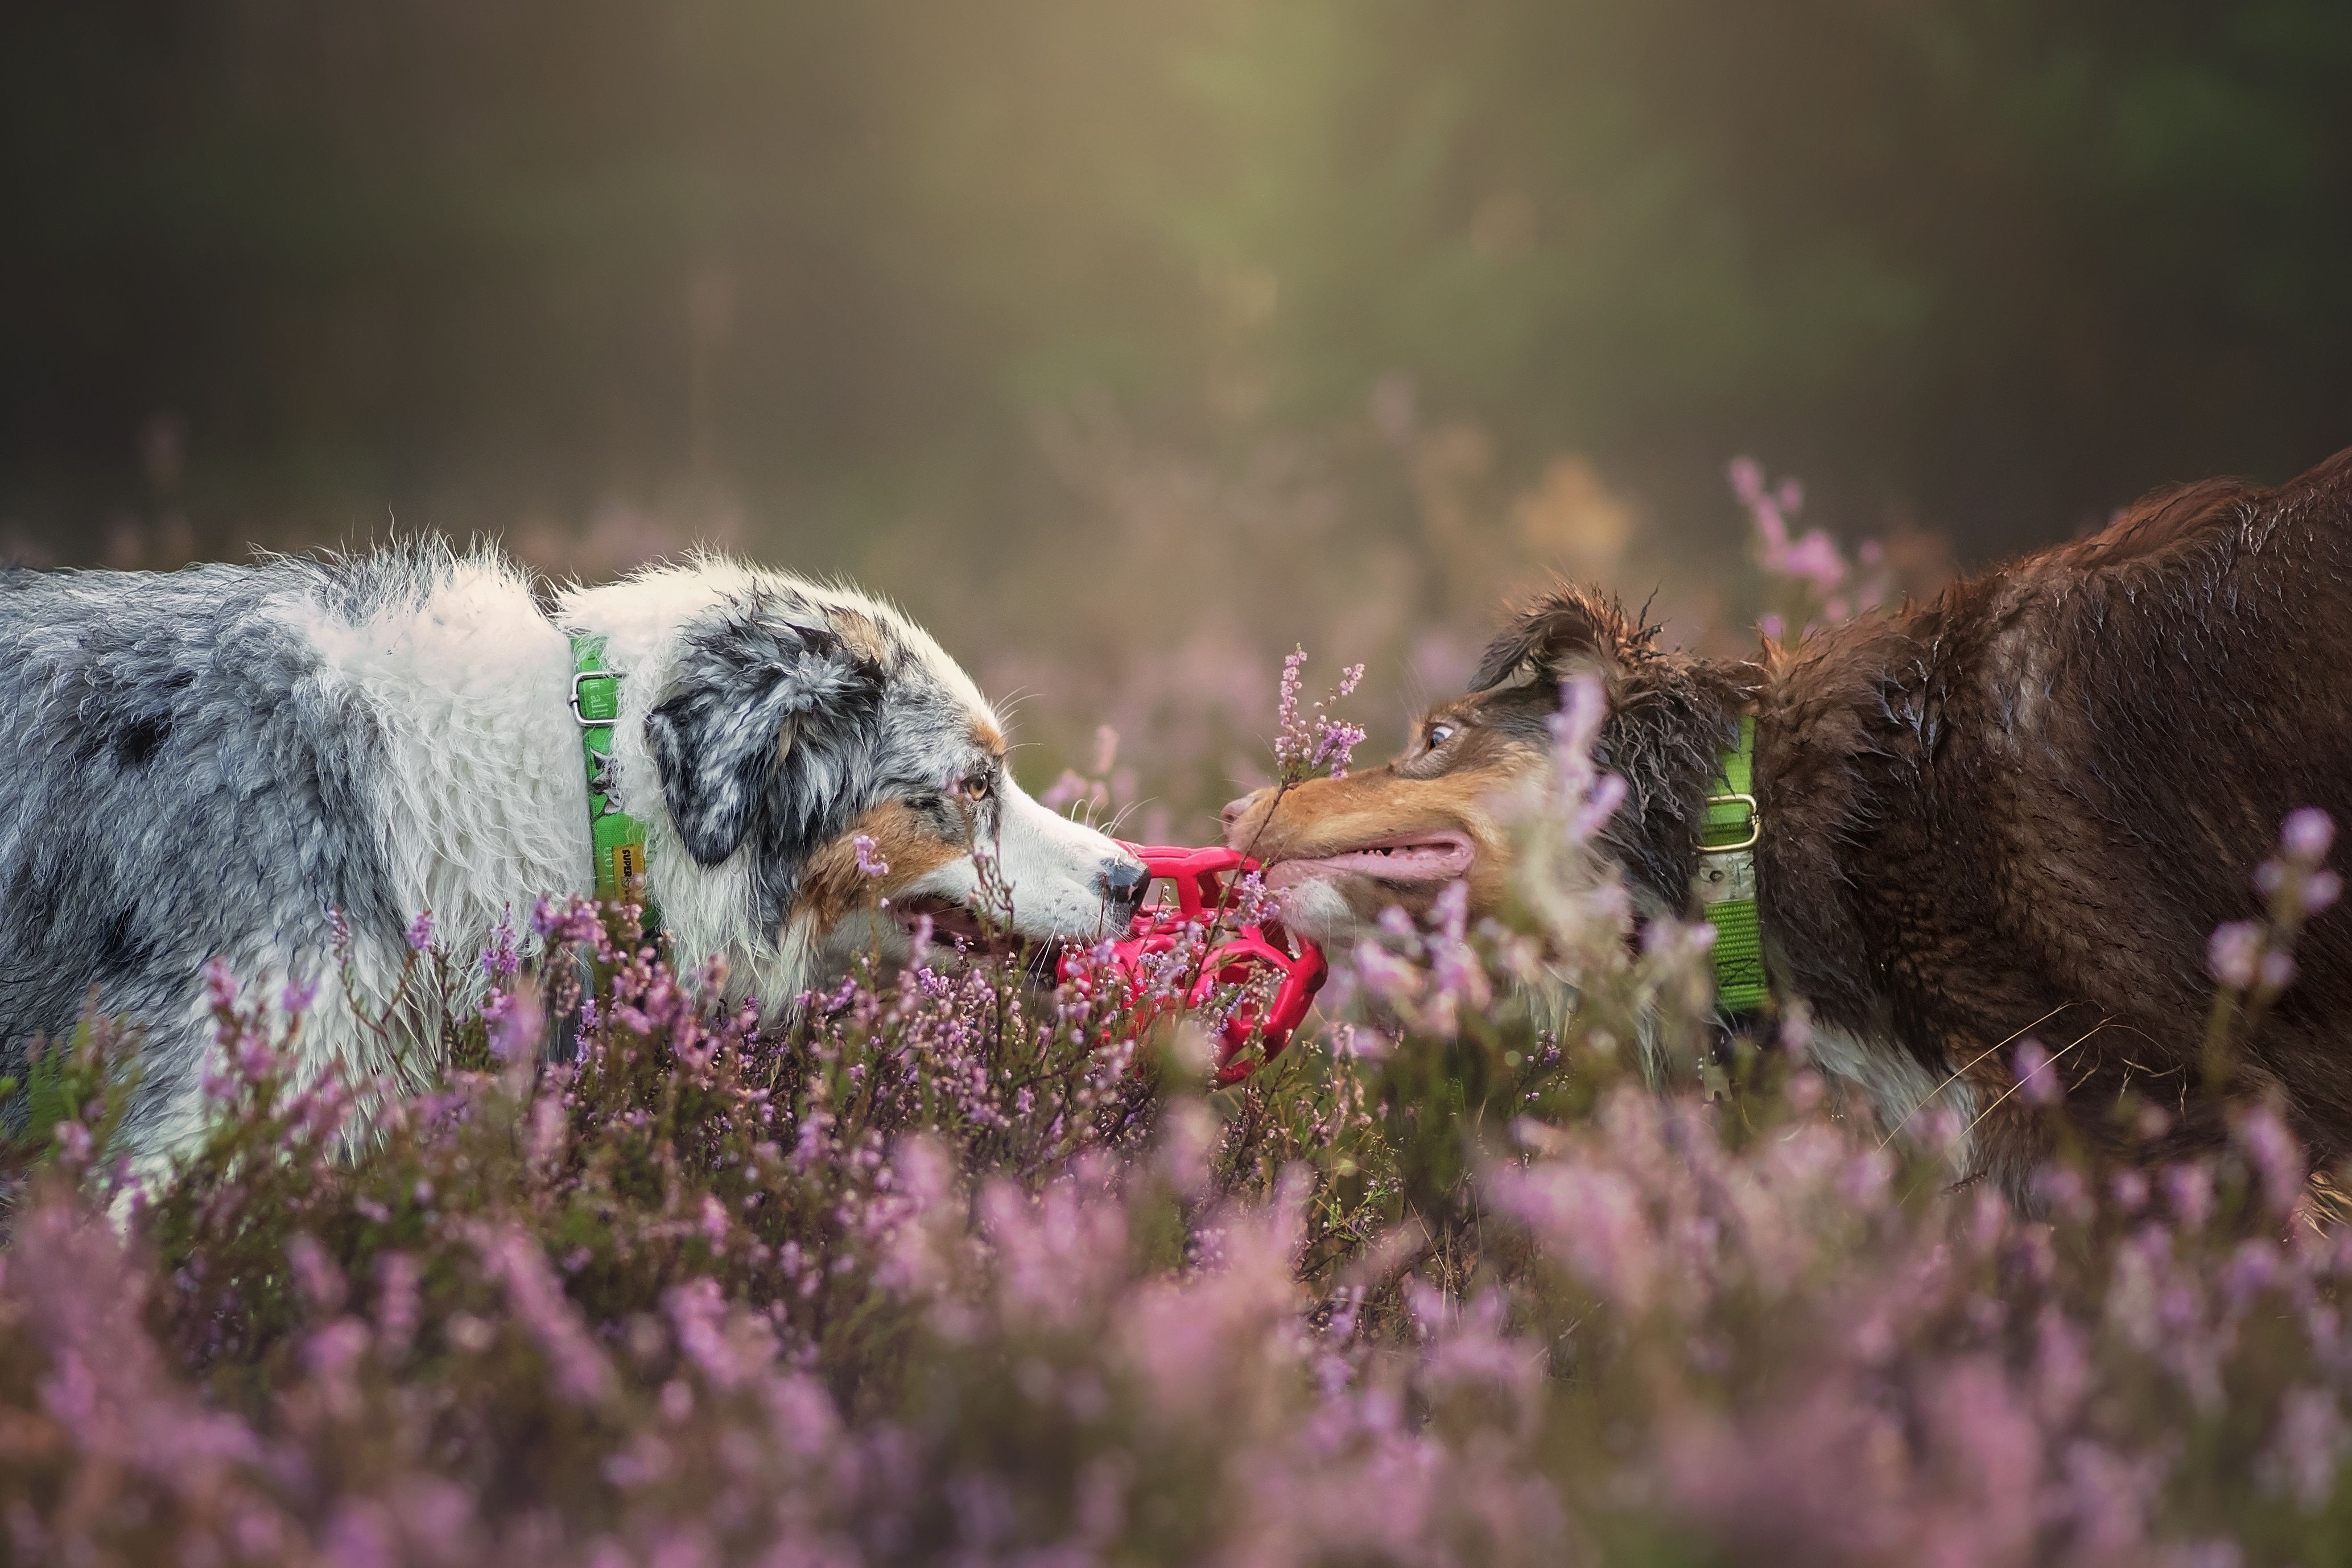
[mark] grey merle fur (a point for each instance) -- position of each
(763, 666)
(172, 764)
(865, 724)
(182, 778)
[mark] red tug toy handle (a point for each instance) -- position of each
(1203, 895)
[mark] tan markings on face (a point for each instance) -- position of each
(1470, 776)
(832, 885)
(859, 633)
(987, 736)
(1333, 817)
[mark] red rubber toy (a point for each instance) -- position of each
(1203, 894)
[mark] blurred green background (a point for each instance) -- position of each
(1133, 342)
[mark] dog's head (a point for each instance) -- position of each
(784, 723)
(1340, 851)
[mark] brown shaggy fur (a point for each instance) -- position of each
(2022, 808)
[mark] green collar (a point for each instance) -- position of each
(1726, 885)
(618, 838)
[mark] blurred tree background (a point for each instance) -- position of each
(978, 301)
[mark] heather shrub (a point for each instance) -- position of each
(1512, 1256)
(927, 1273)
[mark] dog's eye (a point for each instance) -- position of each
(977, 787)
(1437, 735)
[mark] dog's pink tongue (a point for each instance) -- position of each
(1433, 860)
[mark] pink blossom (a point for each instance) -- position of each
(2306, 1454)
(2277, 1154)
(321, 1282)
(398, 1308)
(534, 1295)
(300, 992)
(220, 985)
(1305, 746)
(2235, 954)
(1061, 795)
(2320, 891)
(501, 959)
(1054, 1295)
(1813, 558)
(2307, 835)
(2037, 1084)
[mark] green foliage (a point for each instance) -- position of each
(82, 1083)
(1999, 265)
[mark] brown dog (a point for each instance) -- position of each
(2020, 810)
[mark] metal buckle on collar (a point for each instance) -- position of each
(1755, 824)
(584, 721)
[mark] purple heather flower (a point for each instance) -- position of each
(2130, 1189)
(1746, 476)
(2235, 953)
(220, 985)
(515, 1022)
(2307, 835)
(1814, 558)
(1285, 712)
(420, 931)
(501, 959)
(2106, 1497)
(2189, 1189)
(2277, 1156)
(1335, 745)
(2320, 891)
(1301, 746)
(582, 1373)
(300, 992)
(869, 857)
(2061, 1365)
(2037, 1082)
(74, 1143)
(2307, 1453)
(315, 1274)
(397, 1309)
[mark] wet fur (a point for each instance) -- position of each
(215, 763)
(2020, 809)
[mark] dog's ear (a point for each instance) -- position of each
(1568, 628)
(760, 699)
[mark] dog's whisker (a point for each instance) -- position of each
(484, 696)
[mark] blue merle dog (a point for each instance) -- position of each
(223, 761)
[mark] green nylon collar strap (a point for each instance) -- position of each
(1726, 885)
(619, 839)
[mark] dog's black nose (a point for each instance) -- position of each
(1124, 882)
